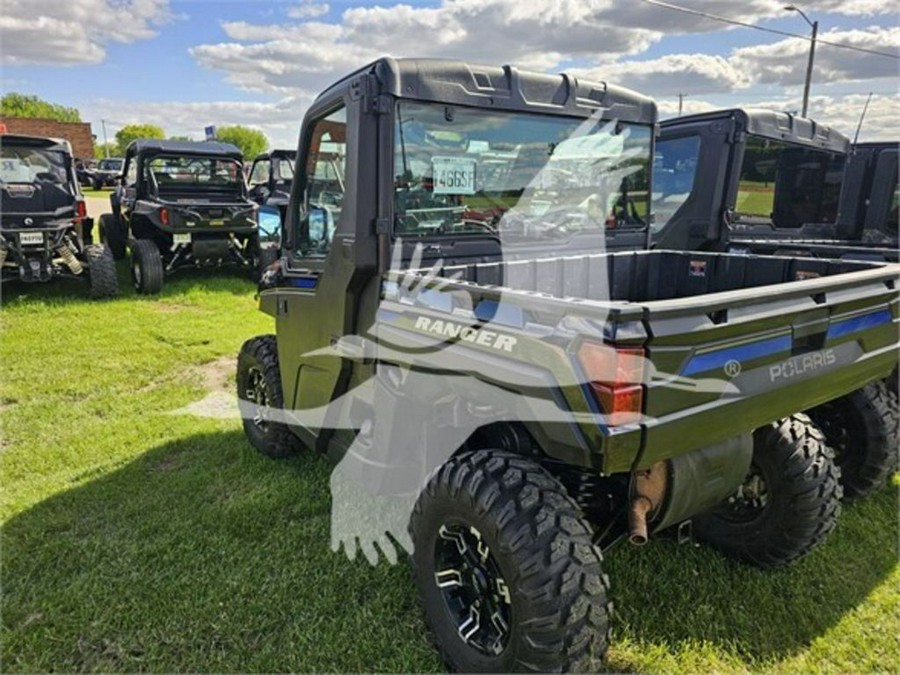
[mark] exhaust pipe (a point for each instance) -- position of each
(648, 489)
(637, 520)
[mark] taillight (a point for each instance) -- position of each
(80, 210)
(615, 375)
(164, 215)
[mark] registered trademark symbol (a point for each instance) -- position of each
(733, 368)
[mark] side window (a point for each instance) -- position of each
(674, 171)
(323, 195)
(131, 172)
(260, 173)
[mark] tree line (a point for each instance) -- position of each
(250, 141)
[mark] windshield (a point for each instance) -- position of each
(173, 173)
(31, 165)
(790, 184)
(522, 175)
(111, 164)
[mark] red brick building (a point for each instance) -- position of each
(77, 133)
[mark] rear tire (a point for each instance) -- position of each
(522, 554)
(258, 383)
(102, 270)
(146, 267)
(861, 428)
(788, 504)
(113, 235)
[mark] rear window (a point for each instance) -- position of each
(28, 165)
(789, 184)
(674, 172)
(184, 172)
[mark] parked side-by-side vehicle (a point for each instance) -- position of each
(474, 240)
(774, 183)
(44, 228)
(185, 206)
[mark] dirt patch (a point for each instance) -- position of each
(220, 402)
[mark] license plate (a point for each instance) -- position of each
(181, 238)
(31, 238)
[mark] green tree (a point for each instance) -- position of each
(14, 104)
(100, 150)
(250, 141)
(132, 132)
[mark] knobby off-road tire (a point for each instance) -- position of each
(113, 235)
(146, 267)
(789, 503)
(102, 270)
(516, 523)
(861, 428)
(259, 385)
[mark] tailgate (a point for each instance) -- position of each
(730, 362)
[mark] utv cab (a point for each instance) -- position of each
(185, 206)
(870, 193)
(760, 181)
(270, 178)
(43, 218)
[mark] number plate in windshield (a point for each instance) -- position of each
(453, 175)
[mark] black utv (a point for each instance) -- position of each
(185, 205)
(44, 228)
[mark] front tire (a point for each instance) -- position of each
(507, 573)
(259, 388)
(146, 267)
(102, 270)
(789, 502)
(861, 428)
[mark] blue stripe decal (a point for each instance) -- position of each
(304, 282)
(703, 362)
(859, 323)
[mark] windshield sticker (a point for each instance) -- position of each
(453, 175)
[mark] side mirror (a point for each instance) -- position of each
(269, 227)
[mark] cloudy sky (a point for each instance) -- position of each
(186, 64)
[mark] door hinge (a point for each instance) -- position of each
(382, 226)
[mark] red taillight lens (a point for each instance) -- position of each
(164, 215)
(615, 375)
(80, 210)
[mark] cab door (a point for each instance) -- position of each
(313, 307)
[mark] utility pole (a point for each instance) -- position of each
(812, 54)
(105, 139)
(680, 103)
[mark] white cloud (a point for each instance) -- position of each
(784, 62)
(279, 120)
(855, 7)
(673, 74)
(307, 10)
(68, 32)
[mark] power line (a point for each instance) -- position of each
(735, 22)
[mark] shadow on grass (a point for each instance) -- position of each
(200, 556)
(203, 556)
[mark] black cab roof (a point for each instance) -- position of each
(277, 153)
(772, 124)
(21, 140)
(207, 148)
(500, 87)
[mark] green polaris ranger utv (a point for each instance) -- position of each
(469, 321)
(185, 207)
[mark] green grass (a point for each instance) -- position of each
(135, 539)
